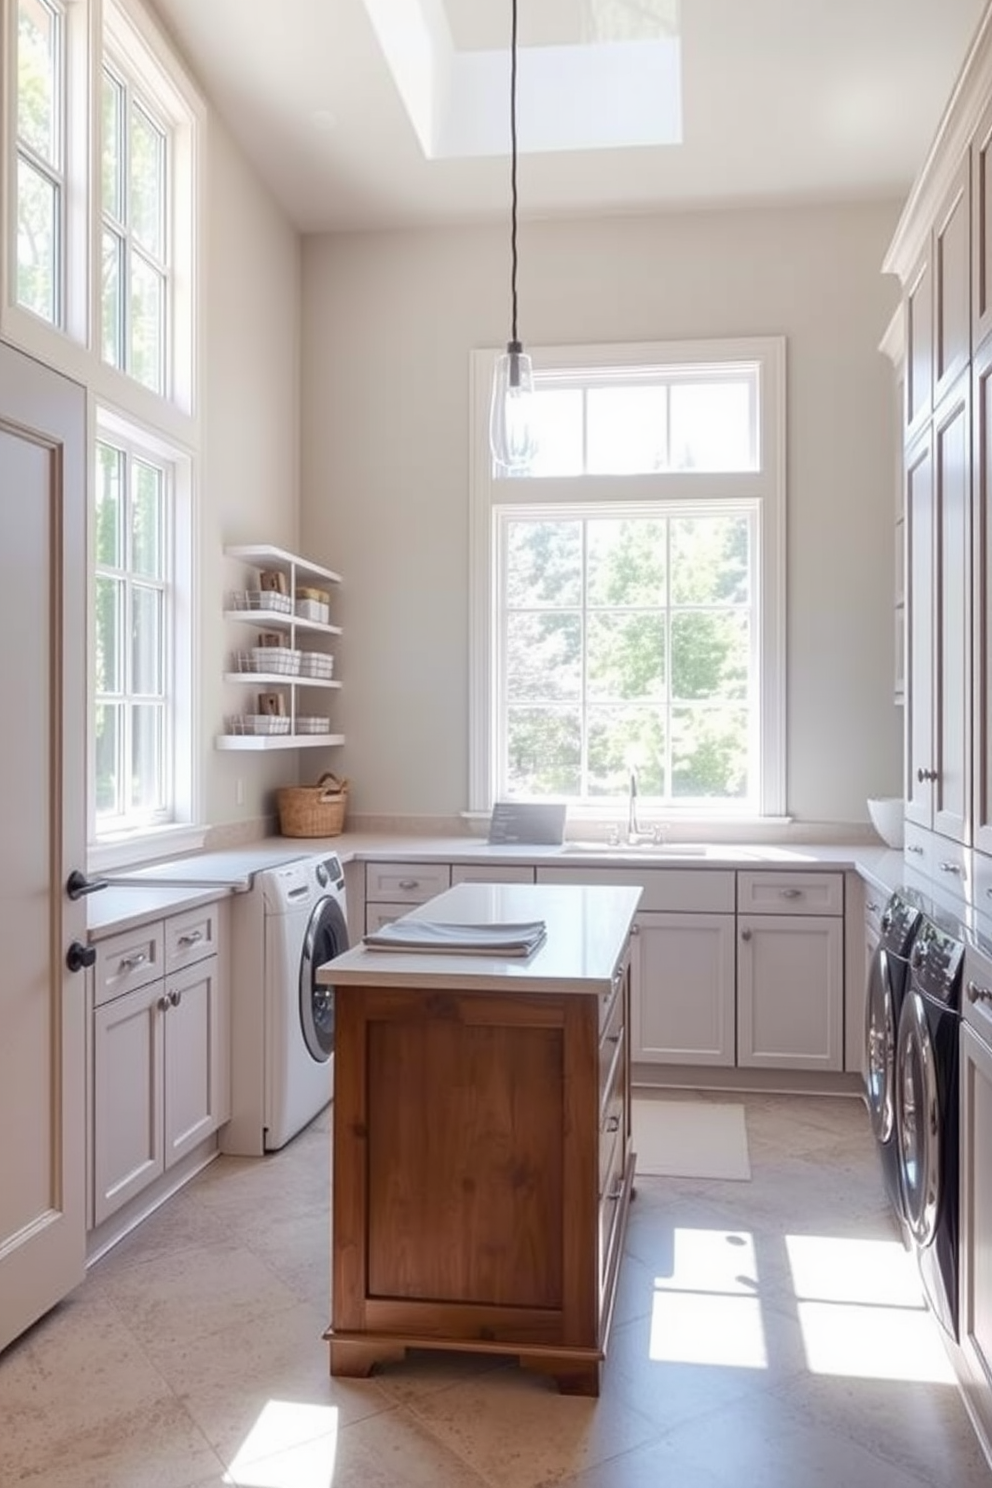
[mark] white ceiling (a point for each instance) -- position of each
(811, 100)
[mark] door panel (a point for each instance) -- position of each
(42, 806)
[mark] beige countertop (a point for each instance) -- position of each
(184, 883)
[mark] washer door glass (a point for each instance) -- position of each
(918, 1121)
(880, 1046)
(326, 937)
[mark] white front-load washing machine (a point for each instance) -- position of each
(293, 919)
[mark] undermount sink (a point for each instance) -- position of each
(645, 849)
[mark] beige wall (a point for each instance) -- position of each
(388, 323)
(249, 489)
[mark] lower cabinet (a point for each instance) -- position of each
(160, 1054)
(790, 992)
(976, 1191)
(684, 995)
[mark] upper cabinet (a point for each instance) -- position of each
(282, 656)
(942, 253)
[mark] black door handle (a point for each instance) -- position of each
(77, 884)
(79, 956)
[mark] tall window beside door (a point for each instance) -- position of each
(100, 283)
(628, 590)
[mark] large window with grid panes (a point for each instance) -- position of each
(100, 283)
(628, 588)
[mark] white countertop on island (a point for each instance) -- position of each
(587, 925)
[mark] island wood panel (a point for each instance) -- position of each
(460, 1145)
(468, 1162)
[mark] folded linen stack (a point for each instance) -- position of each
(504, 939)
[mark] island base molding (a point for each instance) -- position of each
(575, 1370)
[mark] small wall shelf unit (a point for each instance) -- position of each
(301, 670)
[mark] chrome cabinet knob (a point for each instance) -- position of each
(979, 994)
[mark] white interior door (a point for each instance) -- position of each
(42, 808)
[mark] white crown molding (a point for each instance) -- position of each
(968, 100)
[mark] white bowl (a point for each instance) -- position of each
(887, 817)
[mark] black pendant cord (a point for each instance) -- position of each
(513, 170)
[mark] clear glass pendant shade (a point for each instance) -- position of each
(511, 415)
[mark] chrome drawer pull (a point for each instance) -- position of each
(872, 908)
(132, 962)
(613, 1124)
(914, 847)
(979, 994)
(163, 1004)
(175, 998)
(409, 883)
(949, 867)
(791, 893)
(193, 937)
(616, 1191)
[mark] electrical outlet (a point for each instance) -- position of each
(239, 792)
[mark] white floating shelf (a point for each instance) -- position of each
(277, 741)
(281, 679)
(261, 555)
(280, 619)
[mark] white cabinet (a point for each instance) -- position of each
(938, 516)
(298, 672)
(790, 971)
(160, 1052)
(976, 1187)
(682, 989)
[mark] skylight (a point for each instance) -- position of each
(615, 84)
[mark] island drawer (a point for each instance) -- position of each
(611, 1039)
(702, 890)
(783, 893)
(611, 1112)
(405, 883)
(126, 961)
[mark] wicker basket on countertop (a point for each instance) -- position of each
(313, 810)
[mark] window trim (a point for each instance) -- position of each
(137, 843)
(488, 490)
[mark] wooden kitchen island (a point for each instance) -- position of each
(482, 1163)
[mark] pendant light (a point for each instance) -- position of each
(511, 414)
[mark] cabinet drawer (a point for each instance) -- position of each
(706, 890)
(126, 961)
(190, 937)
(491, 873)
(790, 893)
(405, 883)
(612, 1115)
(611, 1043)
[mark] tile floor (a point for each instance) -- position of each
(769, 1334)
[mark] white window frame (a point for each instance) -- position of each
(168, 426)
(490, 491)
(177, 830)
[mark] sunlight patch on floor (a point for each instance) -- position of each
(291, 1445)
(705, 1311)
(862, 1312)
(879, 1272)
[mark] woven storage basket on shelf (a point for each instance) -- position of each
(313, 810)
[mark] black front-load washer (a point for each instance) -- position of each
(927, 1110)
(888, 974)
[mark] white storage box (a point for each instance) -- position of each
(313, 725)
(316, 664)
(262, 599)
(313, 609)
(257, 723)
(274, 659)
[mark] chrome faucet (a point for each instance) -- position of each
(634, 833)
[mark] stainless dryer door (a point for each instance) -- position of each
(918, 1121)
(326, 937)
(880, 1046)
